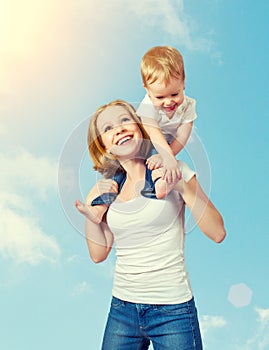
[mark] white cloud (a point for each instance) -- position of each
(263, 315)
(170, 16)
(23, 240)
(73, 258)
(81, 288)
(260, 337)
(22, 170)
(209, 323)
(25, 179)
(209, 326)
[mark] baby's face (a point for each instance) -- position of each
(167, 97)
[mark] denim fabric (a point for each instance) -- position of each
(108, 198)
(148, 190)
(133, 326)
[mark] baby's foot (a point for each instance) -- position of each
(90, 212)
(162, 188)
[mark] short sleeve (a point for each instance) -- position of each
(187, 110)
(146, 109)
(187, 173)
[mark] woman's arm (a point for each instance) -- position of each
(99, 240)
(98, 236)
(202, 209)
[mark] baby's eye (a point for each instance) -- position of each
(175, 94)
(159, 97)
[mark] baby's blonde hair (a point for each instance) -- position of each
(161, 62)
(104, 162)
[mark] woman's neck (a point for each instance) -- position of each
(135, 179)
(135, 168)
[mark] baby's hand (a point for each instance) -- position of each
(171, 171)
(154, 162)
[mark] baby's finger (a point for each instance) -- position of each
(150, 166)
(168, 176)
(174, 176)
(179, 174)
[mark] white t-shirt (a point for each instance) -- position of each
(185, 113)
(149, 237)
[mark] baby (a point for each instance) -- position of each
(167, 115)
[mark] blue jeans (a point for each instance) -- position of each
(132, 326)
(148, 190)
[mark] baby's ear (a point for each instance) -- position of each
(147, 90)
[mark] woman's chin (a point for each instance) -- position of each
(127, 150)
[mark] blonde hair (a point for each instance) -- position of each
(104, 162)
(161, 62)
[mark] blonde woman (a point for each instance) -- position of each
(152, 300)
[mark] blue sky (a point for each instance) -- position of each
(61, 60)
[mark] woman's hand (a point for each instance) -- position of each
(102, 186)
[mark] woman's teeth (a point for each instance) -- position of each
(125, 139)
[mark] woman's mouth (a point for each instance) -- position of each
(123, 140)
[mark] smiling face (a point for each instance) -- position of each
(167, 97)
(119, 132)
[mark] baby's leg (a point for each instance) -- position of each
(162, 188)
(93, 213)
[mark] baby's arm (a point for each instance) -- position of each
(183, 134)
(171, 170)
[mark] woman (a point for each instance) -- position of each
(152, 298)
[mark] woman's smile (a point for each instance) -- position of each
(123, 140)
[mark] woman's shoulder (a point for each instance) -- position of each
(187, 172)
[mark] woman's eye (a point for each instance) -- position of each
(126, 120)
(107, 128)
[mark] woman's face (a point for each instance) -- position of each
(120, 133)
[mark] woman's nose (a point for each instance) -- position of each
(119, 128)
